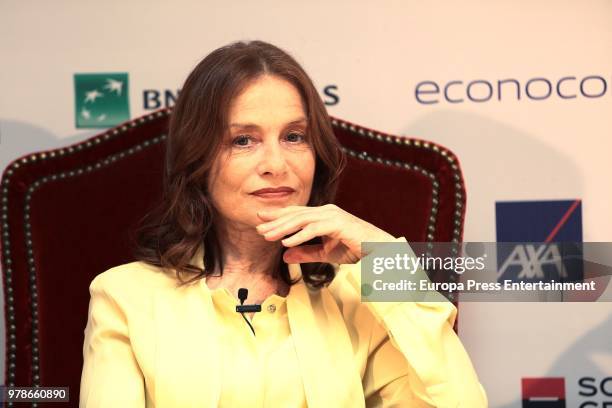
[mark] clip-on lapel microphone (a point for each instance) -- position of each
(243, 293)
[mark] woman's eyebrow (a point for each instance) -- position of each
(299, 121)
(244, 126)
(253, 126)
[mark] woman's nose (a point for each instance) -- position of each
(273, 160)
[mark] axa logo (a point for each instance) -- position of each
(543, 392)
(101, 99)
(539, 240)
(530, 261)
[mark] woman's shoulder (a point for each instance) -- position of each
(133, 278)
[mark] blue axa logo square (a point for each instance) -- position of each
(539, 241)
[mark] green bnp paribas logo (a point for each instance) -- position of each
(101, 100)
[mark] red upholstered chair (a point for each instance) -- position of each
(66, 214)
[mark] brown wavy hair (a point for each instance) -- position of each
(170, 235)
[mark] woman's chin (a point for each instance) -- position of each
(276, 204)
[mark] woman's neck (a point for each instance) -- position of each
(247, 253)
(249, 261)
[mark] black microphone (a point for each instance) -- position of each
(243, 293)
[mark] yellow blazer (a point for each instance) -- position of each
(149, 343)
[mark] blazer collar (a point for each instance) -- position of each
(188, 368)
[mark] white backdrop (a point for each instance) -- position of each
(376, 53)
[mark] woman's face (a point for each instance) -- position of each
(266, 148)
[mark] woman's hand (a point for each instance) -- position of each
(341, 232)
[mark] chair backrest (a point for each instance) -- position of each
(66, 214)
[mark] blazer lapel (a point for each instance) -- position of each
(323, 347)
(188, 371)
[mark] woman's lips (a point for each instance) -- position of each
(274, 195)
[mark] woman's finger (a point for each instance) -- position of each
(314, 213)
(295, 223)
(276, 222)
(310, 231)
(272, 214)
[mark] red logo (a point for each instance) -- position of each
(543, 392)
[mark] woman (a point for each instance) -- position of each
(251, 167)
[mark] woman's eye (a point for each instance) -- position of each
(295, 137)
(242, 140)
